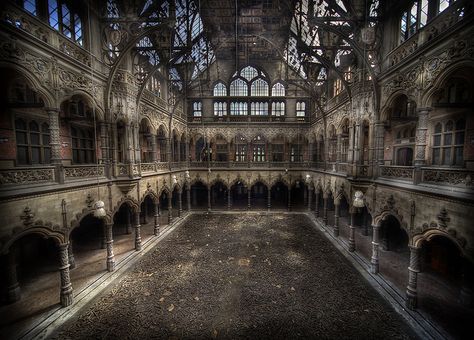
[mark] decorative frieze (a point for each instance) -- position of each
(26, 176)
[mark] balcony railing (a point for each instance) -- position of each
(397, 172)
(33, 175)
(452, 177)
(73, 172)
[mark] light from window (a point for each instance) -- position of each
(259, 109)
(220, 109)
(220, 90)
(197, 109)
(337, 86)
(238, 109)
(30, 6)
(278, 109)
(300, 109)
(249, 73)
(259, 87)
(238, 88)
(278, 90)
(63, 20)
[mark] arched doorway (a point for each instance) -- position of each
(176, 202)
(147, 219)
(219, 195)
(394, 256)
(198, 196)
(239, 195)
(259, 196)
(122, 230)
(445, 278)
(299, 195)
(30, 282)
(164, 207)
(279, 195)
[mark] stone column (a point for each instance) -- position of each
(13, 286)
(170, 209)
(194, 197)
(136, 131)
(325, 209)
(138, 237)
(350, 151)
(466, 294)
(413, 270)
(249, 197)
(145, 213)
(316, 209)
(269, 198)
(421, 134)
(357, 143)
(209, 207)
(156, 228)
(66, 297)
(352, 231)
(310, 197)
(374, 261)
(338, 150)
(55, 139)
(154, 151)
(72, 260)
(103, 142)
(336, 219)
(379, 136)
(289, 198)
(128, 222)
(180, 203)
(110, 248)
(103, 242)
(188, 197)
(229, 199)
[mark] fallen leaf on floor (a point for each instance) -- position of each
(162, 299)
(293, 288)
(278, 286)
(196, 298)
(170, 308)
(214, 333)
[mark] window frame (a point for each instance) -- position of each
(44, 148)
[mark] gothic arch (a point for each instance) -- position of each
(130, 201)
(99, 112)
(441, 78)
(45, 230)
(35, 83)
(378, 219)
(418, 240)
(152, 194)
(85, 212)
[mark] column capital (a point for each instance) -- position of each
(423, 110)
(51, 109)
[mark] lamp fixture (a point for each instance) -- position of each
(358, 199)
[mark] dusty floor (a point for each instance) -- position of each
(241, 276)
(40, 293)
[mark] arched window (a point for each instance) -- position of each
(30, 6)
(197, 109)
(32, 142)
(300, 109)
(278, 90)
(278, 109)
(238, 109)
(240, 149)
(64, 20)
(238, 88)
(220, 109)
(414, 18)
(258, 149)
(259, 87)
(83, 149)
(154, 86)
(249, 73)
(220, 90)
(259, 109)
(448, 143)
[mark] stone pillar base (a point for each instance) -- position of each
(14, 293)
(374, 266)
(110, 265)
(66, 297)
(411, 301)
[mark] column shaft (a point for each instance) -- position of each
(66, 297)
(374, 261)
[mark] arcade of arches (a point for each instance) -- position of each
(113, 131)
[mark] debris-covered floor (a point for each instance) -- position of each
(241, 276)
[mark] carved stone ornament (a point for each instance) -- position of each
(27, 216)
(443, 218)
(89, 200)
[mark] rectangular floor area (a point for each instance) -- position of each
(241, 276)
